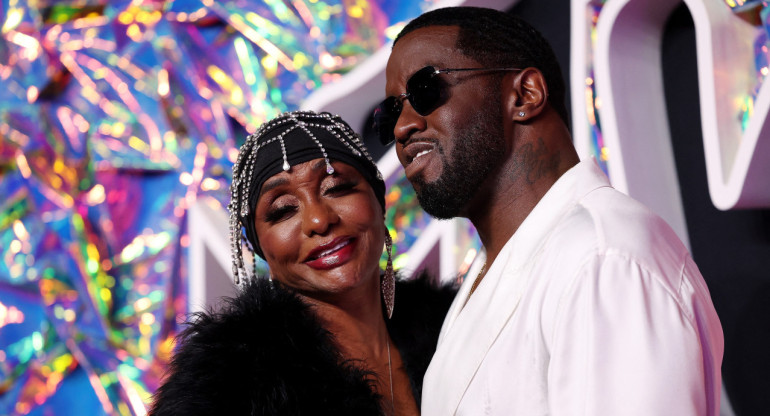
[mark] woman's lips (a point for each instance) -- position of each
(331, 255)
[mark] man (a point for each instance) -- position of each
(588, 303)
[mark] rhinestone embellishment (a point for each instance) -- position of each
(242, 185)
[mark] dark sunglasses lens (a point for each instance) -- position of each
(385, 118)
(424, 89)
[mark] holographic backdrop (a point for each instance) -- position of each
(756, 12)
(115, 116)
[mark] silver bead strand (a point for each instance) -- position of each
(331, 129)
(239, 204)
(233, 206)
(356, 139)
(245, 180)
(235, 223)
(329, 168)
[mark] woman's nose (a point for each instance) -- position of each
(317, 218)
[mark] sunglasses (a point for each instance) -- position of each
(425, 92)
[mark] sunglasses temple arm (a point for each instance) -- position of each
(448, 70)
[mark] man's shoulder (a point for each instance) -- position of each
(608, 222)
(611, 240)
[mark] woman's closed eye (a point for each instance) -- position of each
(285, 206)
(340, 188)
(278, 213)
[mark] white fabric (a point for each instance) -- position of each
(593, 307)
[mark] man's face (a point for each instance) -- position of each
(448, 153)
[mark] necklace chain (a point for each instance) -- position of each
(478, 279)
(390, 376)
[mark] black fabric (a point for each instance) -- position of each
(265, 353)
(300, 148)
(419, 312)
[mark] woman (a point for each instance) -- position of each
(316, 338)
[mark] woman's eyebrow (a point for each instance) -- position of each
(272, 184)
(320, 165)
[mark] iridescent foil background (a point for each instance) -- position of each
(756, 12)
(115, 117)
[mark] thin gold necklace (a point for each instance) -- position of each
(390, 376)
(479, 277)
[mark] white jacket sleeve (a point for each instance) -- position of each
(625, 342)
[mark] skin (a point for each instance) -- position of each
(537, 146)
(305, 208)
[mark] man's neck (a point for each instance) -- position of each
(514, 192)
(500, 219)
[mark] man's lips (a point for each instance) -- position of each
(417, 155)
(416, 150)
(331, 254)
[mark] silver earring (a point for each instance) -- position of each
(388, 283)
(521, 114)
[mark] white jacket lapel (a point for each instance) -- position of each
(469, 335)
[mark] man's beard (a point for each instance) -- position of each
(478, 150)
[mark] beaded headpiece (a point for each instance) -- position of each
(291, 138)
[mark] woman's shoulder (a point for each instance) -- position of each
(262, 349)
(242, 324)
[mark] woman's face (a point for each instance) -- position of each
(320, 233)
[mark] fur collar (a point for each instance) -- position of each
(264, 353)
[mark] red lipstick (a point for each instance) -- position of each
(332, 254)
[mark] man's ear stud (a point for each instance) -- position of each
(521, 114)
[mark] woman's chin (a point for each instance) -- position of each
(336, 284)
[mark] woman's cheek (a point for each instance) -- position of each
(281, 242)
(364, 212)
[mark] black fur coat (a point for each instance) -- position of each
(265, 353)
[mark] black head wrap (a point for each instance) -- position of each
(290, 139)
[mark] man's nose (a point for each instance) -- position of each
(409, 122)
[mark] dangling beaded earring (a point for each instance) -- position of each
(388, 283)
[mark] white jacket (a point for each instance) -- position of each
(593, 307)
